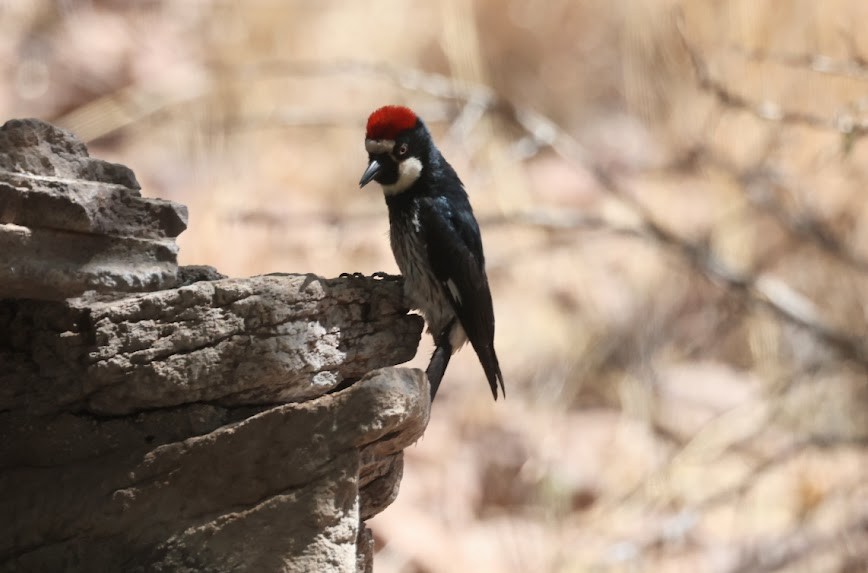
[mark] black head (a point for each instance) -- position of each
(397, 142)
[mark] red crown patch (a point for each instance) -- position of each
(387, 122)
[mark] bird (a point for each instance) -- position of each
(435, 239)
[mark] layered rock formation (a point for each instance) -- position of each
(70, 223)
(164, 418)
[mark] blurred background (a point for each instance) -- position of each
(673, 202)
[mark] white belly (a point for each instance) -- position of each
(421, 287)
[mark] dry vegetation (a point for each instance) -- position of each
(674, 206)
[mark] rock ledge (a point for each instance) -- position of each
(158, 418)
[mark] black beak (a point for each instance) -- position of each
(370, 173)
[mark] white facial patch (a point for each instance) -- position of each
(409, 171)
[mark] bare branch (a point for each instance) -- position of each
(799, 544)
(758, 184)
(843, 122)
(854, 68)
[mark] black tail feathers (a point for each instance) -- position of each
(443, 352)
(491, 366)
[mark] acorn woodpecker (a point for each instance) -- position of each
(435, 239)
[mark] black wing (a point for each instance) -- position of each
(455, 250)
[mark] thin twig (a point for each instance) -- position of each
(758, 184)
(844, 122)
(799, 544)
(854, 68)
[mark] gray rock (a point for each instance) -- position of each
(70, 223)
(276, 491)
(86, 207)
(34, 147)
(54, 265)
(260, 340)
(201, 428)
(165, 419)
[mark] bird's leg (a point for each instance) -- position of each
(439, 359)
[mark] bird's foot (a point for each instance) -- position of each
(380, 275)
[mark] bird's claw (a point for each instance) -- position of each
(380, 275)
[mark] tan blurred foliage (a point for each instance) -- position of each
(674, 207)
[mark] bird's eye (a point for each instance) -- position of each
(402, 150)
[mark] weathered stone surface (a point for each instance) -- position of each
(151, 431)
(164, 419)
(143, 432)
(365, 551)
(35, 147)
(85, 207)
(276, 491)
(51, 264)
(259, 340)
(70, 223)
